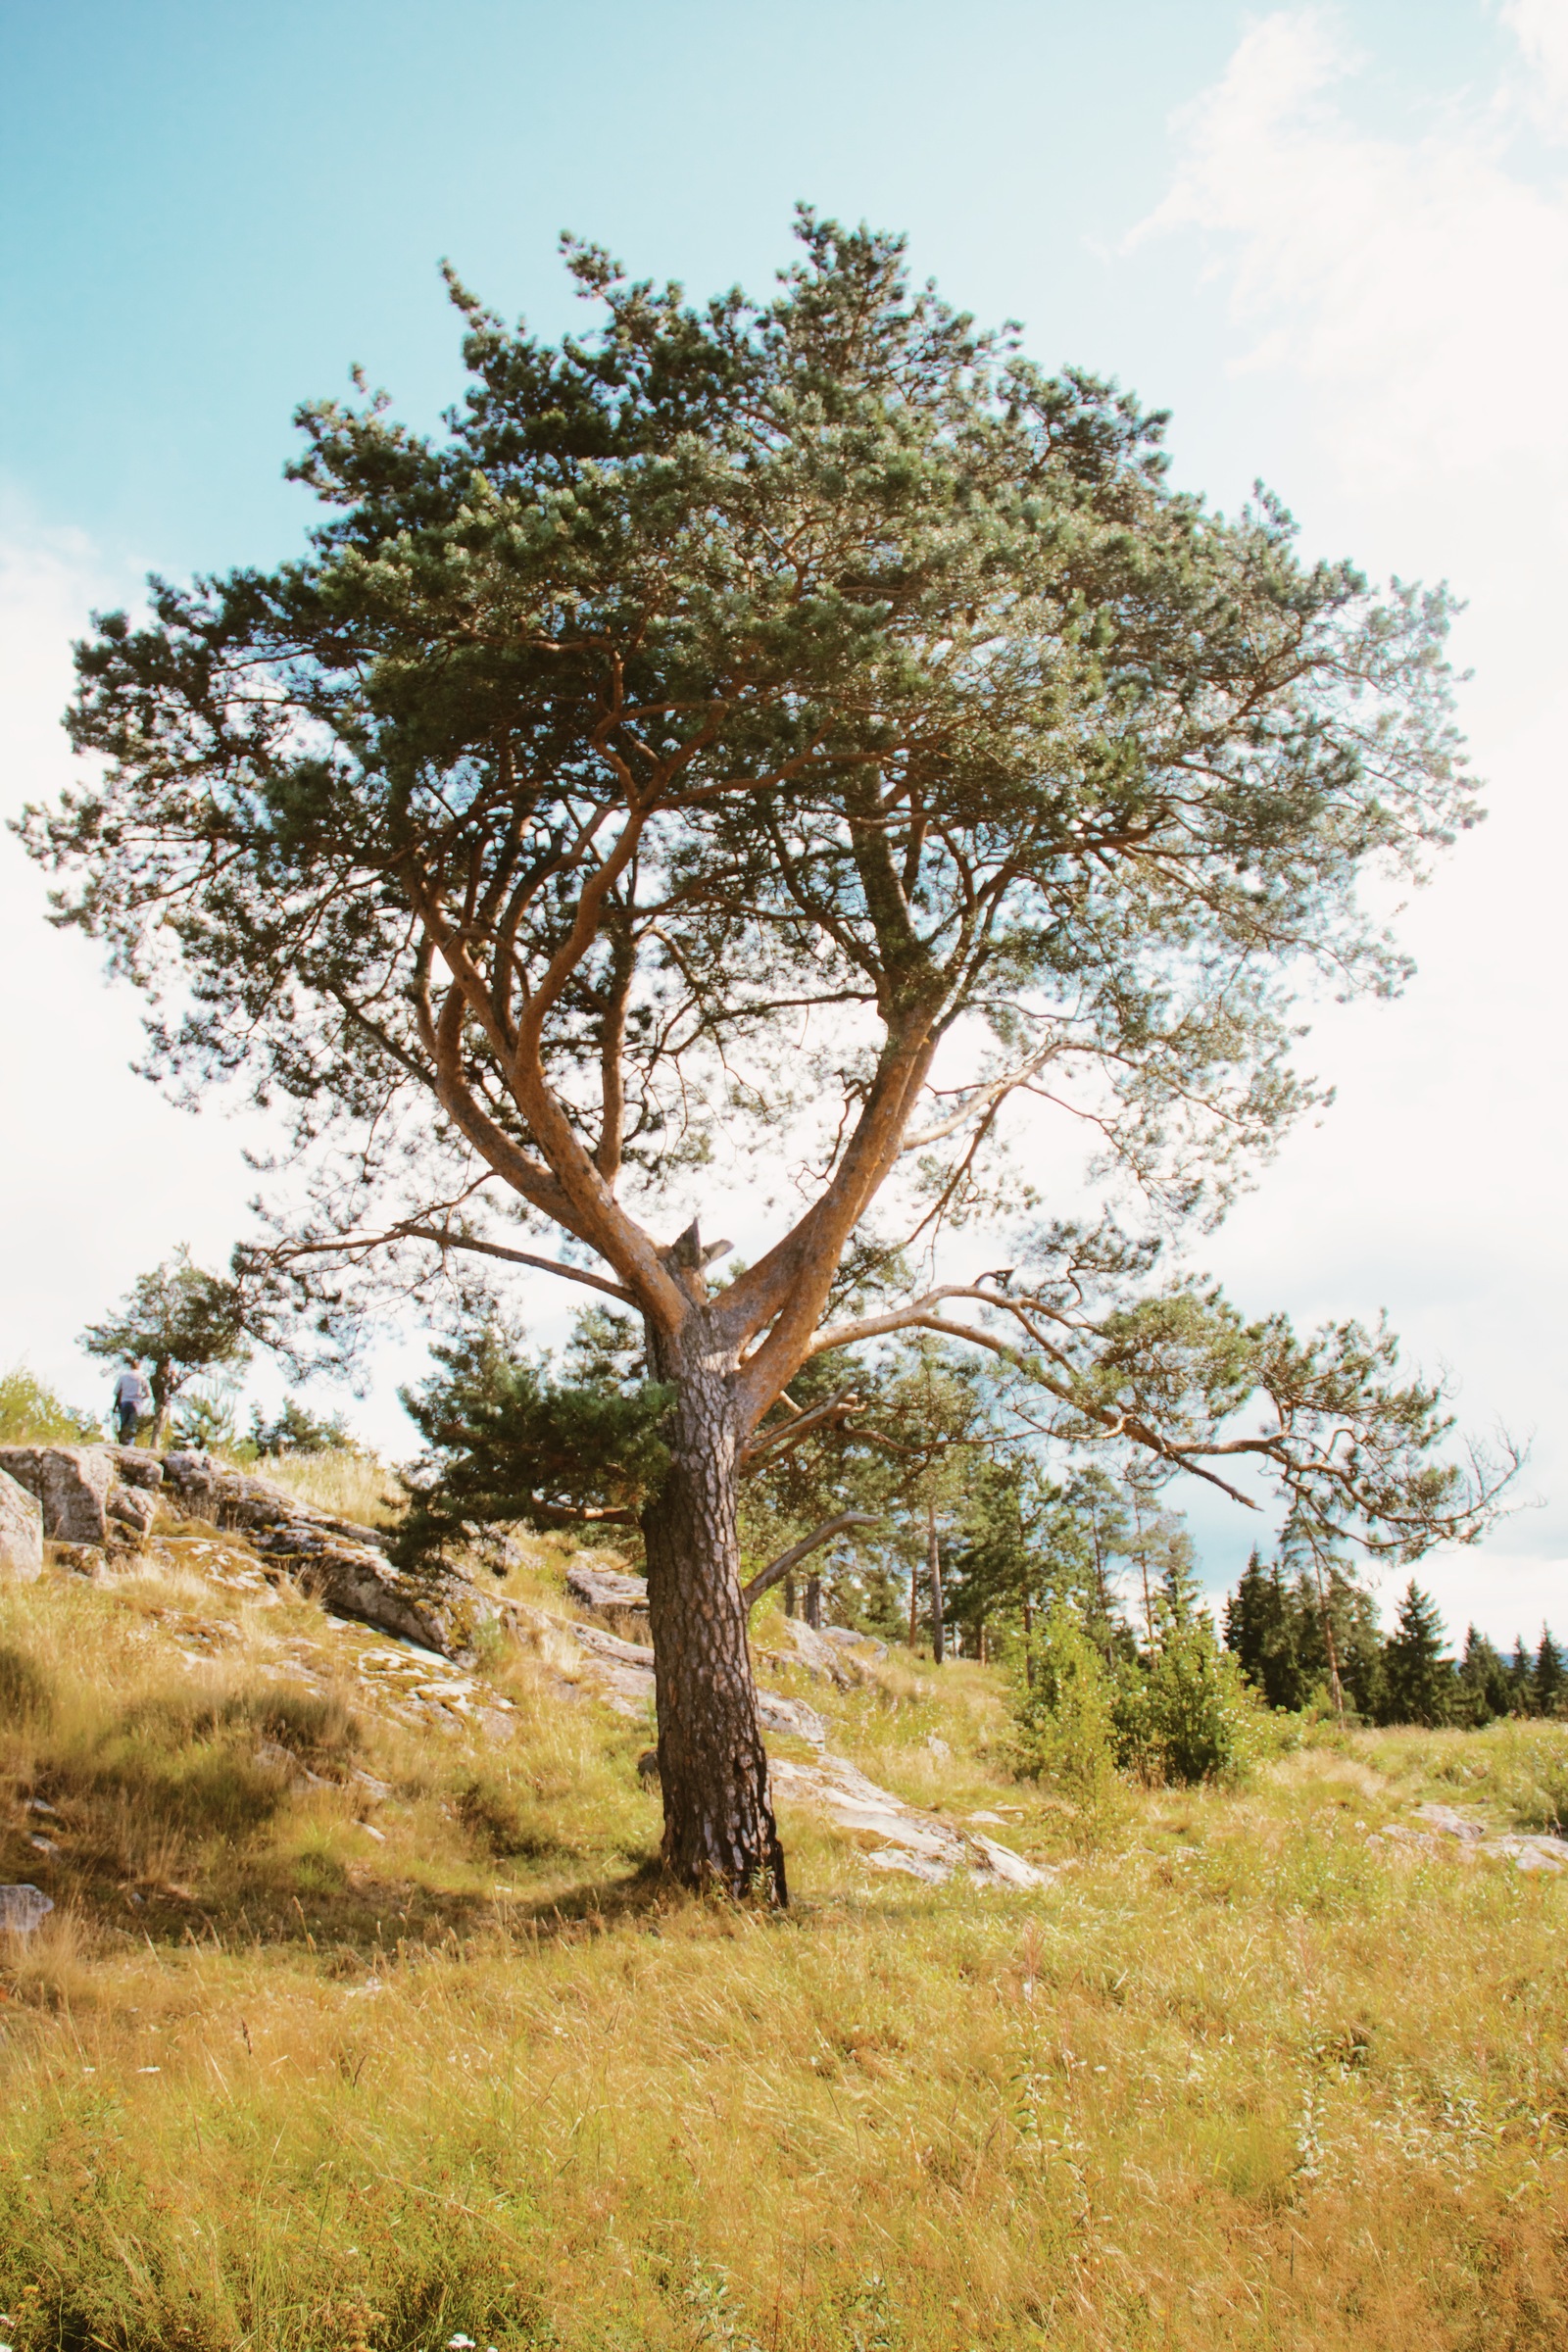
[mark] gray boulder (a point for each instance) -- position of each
(21, 1531)
(71, 1483)
(132, 1512)
(847, 1639)
(21, 1907)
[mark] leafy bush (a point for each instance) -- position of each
(33, 1415)
(1066, 1729)
(1185, 1714)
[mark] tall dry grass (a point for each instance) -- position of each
(351, 1486)
(1243, 2079)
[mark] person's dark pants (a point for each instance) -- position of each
(130, 1423)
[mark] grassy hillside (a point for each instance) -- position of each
(364, 2021)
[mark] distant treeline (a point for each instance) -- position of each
(1290, 1635)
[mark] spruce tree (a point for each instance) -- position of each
(1261, 1631)
(1486, 1686)
(1418, 1676)
(1176, 1595)
(1521, 1679)
(1548, 1679)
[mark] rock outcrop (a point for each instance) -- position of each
(21, 1531)
(21, 1907)
(829, 1659)
(618, 1601)
(343, 1564)
(1533, 1850)
(71, 1484)
(91, 1494)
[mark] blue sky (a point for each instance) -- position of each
(210, 209)
(1334, 241)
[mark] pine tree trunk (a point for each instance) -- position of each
(934, 1559)
(718, 1820)
(1336, 1686)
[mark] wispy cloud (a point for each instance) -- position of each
(1419, 286)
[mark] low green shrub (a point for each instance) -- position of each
(1181, 1716)
(1185, 1714)
(1064, 1726)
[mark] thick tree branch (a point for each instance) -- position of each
(776, 1570)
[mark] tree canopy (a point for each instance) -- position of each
(755, 746)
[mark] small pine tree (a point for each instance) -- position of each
(1332, 1606)
(1418, 1678)
(1184, 1714)
(185, 1325)
(1548, 1682)
(1176, 1596)
(295, 1429)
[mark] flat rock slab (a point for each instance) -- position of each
(608, 1591)
(1450, 1823)
(621, 1673)
(908, 1841)
(1443, 1829)
(806, 1646)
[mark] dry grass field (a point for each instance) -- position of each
(363, 2019)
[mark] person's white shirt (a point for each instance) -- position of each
(132, 1389)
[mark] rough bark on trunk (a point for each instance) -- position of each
(718, 1820)
(814, 1603)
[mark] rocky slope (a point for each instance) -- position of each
(108, 1511)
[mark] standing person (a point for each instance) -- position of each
(133, 1400)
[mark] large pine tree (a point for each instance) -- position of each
(761, 742)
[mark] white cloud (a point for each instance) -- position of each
(1421, 283)
(100, 1176)
(1398, 307)
(1541, 27)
